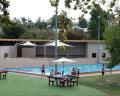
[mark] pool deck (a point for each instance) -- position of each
(36, 62)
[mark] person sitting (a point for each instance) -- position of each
(52, 72)
(62, 82)
(73, 71)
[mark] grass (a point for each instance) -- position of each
(23, 85)
(108, 84)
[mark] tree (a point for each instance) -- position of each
(85, 5)
(117, 19)
(112, 37)
(4, 14)
(13, 31)
(77, 34)
(97, 24)
(36, 33)
(64, 24)
(27, 22)
(41, 24)
(82, 23)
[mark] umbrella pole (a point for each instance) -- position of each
(45, 55)
(55, 68)
(44, 51)
(63, 66)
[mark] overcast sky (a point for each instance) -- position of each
(36, 8)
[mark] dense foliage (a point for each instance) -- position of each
(13, 31)
(26, 29)
(97, 23)
(77, 34)
(112, 36)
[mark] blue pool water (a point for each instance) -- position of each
(67, 68)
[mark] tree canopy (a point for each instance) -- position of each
(112, 36)
(85, 5)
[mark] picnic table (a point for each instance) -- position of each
(62, 80)
(3, 74)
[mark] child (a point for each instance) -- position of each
(78, 72)
(43, 69)
(52, 73)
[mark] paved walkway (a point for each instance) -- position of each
(35, 62)
(98, 73)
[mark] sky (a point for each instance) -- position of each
(40, 8)
(36, 8)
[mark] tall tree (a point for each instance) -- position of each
(112, 36)
(97, 22)
(41, 24)
(64, 24)
(82, 23)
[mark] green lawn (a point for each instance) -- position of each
(23, 85)
(109, 84)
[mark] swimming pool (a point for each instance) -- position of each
(67, 68)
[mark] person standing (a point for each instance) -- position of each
(103, 70)
(43, 69)
(62, 72)
(78, 72)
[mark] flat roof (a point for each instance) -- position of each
(39, 40)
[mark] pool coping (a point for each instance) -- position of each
(85, 74)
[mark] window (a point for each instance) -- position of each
(5, 55)
(93, 55)
(103, 55)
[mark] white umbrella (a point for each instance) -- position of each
(28, 43)
(59, 43)
(63, 60)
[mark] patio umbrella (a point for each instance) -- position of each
(29, 49)
(64, 60)
(28, 43)
(59, 44)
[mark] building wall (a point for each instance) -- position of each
(78, 50)
(9, 51)
(29, 52)
(93, 48)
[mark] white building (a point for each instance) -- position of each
(83, 49)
